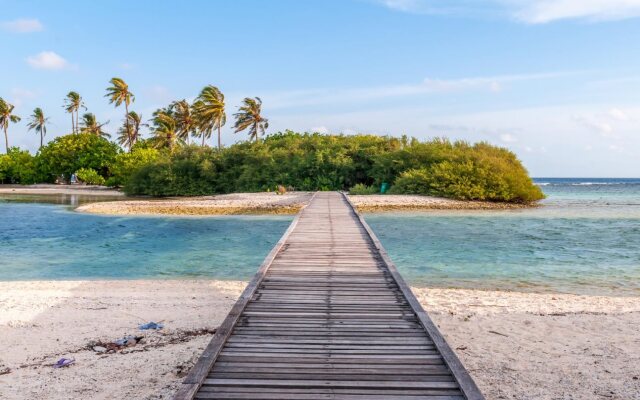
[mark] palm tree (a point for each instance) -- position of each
(38, 122)
(6, 117)
(119, 93)
(90, 125)
(185, 119)
(129, 133)
(72, 104)
(164, 129)
(249, 117)
(209, 111)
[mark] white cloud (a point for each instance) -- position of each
(22, 25)
(618, 114)
(594, 123)
(508, 138)
(493, 84)
(320, 129)
(20, 95)
(527, 11)
(543, 11)
(616, 148)
(158, 94)
(48, 60)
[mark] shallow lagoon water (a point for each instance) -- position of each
(585, 239)
(45, 241)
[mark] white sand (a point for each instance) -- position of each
(555, 346)
(394, 202)
(237, 203)
(60, 189)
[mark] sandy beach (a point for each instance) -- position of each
(396, 202)
(516, 345)
(227, 204)
(241, 203)
(270, 203)
(50, 189)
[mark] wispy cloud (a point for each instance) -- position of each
(618, 114)
(527, 11)
(508, 138)
(22, 25)
(20, 95)
(490, 84)
(543, 11)
(48, 60)
(158, 94)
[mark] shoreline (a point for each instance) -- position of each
(262, 203)
(51, 189)
(516, 345)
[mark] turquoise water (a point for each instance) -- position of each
(46, 241)
(585, 239)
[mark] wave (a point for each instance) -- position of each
(586, 183)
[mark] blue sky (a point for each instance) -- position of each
(556, 81)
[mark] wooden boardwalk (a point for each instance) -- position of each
(327, 316)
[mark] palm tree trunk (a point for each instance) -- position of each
(126, 121)
(41, 139)
(203, 139)
(219, 142)
(73, 128)
(6, 140)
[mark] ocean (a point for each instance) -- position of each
(584, 239)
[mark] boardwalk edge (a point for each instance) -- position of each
(464, 380)
(194, 380)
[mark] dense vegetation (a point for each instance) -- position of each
(298, 161)
(168, 163)
(323, 162)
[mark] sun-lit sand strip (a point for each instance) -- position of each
(543, 346)
(49, 189)
(390, 202)
(229, 204)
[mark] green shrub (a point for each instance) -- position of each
(469, 180)
(126, 164)
(65, 155)
(18, 166)
(322, 162)
(362, 189)
(90, 176)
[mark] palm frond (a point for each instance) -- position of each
(249, 117)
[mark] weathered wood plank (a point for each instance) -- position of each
(328, 316)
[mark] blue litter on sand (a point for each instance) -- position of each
(126, 341)
(151, 325)
(64, 362)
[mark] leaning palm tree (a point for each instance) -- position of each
(248, 117)
(91, 125)
(119, 93)
(6, 117)
(185, 119)
(209, 111)
(164, 130)
(38, 122)
(72, 104)
(129, 133)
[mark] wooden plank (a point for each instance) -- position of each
(467, 384)
(327, 316)
(198, 373)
